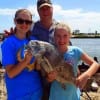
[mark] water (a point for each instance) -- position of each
(90, 46)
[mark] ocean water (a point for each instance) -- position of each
(89, 45)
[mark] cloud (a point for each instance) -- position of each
(77, 18)
(7, 11)
(33, 9)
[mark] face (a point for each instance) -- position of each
(23, 22)
(61, 38)
(45, 13)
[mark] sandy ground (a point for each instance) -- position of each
(2, 86)
(91, 95)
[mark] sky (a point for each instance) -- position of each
(83, 15)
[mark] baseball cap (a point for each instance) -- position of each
(41, 3)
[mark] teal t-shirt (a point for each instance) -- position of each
(72, 56)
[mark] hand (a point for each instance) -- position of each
(51, 76)
(7, 33)
(82, 80)
(28, 57)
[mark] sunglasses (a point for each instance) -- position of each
(22, 21)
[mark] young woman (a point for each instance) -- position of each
(72, 55)
(21, 83)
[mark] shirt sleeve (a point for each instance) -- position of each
(8, 53)
(79, 52)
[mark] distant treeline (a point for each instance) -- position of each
(84, 35)
(78, 35)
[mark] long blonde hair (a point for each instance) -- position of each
(64, 26)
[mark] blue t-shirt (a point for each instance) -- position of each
(27, 82)
(0, 52)
(72, 56)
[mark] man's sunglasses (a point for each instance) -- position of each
(22, 21)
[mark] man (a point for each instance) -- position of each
(44, 28)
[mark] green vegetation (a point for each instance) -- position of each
(84, 35)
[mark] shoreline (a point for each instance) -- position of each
(84, 37)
